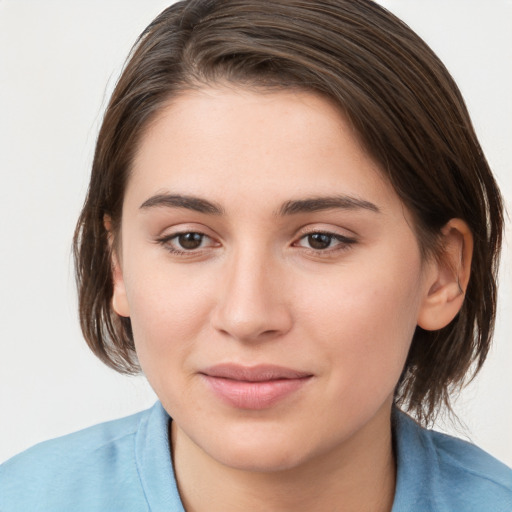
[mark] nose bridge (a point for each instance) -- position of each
(251, 305)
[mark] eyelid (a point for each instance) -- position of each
(328, 230)
(172, 236)
(345, 242)
(183, 227)
(166, 240)
(340, 238)
(334, 231)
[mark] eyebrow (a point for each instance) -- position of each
(316, 204)
(292, 207)
(180, 201)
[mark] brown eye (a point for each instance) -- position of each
(187, 243)
(190, 241)
(325, 243)
(319, 241)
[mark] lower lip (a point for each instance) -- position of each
(254, 395)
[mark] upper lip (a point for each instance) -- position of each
(258, 373)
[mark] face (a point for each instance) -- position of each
(272, 276)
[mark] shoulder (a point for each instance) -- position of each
(75, 471)
(450, 473)
(473, 473)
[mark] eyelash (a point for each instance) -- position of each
(167, 240)
(344, 243)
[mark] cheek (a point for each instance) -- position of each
(169, 309)
(363, 320)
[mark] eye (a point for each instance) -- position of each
(189, 241)
(186, 242)
(319, 241)
(326, 242)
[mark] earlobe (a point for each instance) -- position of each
(119, 299)
(448, 277)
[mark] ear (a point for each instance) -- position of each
(448, 277)
(119, 299)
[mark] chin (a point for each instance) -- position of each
(259, 459)
(260, 450)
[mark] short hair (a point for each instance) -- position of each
(403, 105)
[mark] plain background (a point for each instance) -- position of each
(58, 63)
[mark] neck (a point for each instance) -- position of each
(358, 476)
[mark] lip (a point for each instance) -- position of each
(254, 387)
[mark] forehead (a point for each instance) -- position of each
(232, 144)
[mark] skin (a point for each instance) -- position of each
(255, 291)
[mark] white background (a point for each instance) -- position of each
(58, 63)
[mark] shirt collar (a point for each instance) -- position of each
(154, 464)
(416, 464)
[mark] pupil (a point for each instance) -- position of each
(319, 241)
(190, 240)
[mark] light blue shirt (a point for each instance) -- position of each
(125, 465)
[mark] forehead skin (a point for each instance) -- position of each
(225, 121)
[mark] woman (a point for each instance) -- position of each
(291, 229)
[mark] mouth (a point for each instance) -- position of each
(256, 387)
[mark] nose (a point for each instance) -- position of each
(252, 303)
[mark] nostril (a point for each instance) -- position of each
(251, 330)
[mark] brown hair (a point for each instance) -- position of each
(402, 102)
